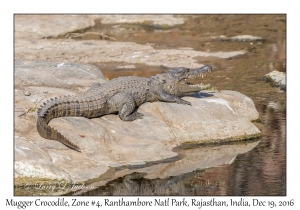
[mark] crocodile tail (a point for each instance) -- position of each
(48, 132)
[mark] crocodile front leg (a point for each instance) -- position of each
(163, 96)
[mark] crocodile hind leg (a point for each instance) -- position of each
(125, 105)
(127, 112)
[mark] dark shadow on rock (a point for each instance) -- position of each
(201, 94)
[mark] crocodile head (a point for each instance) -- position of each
(180, 80)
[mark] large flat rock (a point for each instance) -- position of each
(49, 26)
(57, 75)
(107, 141)
(97, 51)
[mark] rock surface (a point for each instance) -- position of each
(107, 141)
(241, 38)
(49, 26)
(277, 79)
(169, 20)
(57, 75)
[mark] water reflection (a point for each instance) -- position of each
(278, 54)
(191, 175)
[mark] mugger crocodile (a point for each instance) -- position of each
(120, 95)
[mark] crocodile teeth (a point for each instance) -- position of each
(197, 85)
(200, 85)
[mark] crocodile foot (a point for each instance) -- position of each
(181, 101)
(133, 116)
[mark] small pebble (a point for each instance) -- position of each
(27, 93)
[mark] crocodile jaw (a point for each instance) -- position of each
(191, 88)
(185, 86)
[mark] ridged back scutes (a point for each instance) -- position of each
(46, 110)
(88, 104)
(127, 82)
(79, 105)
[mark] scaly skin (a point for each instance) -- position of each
(120, 95)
